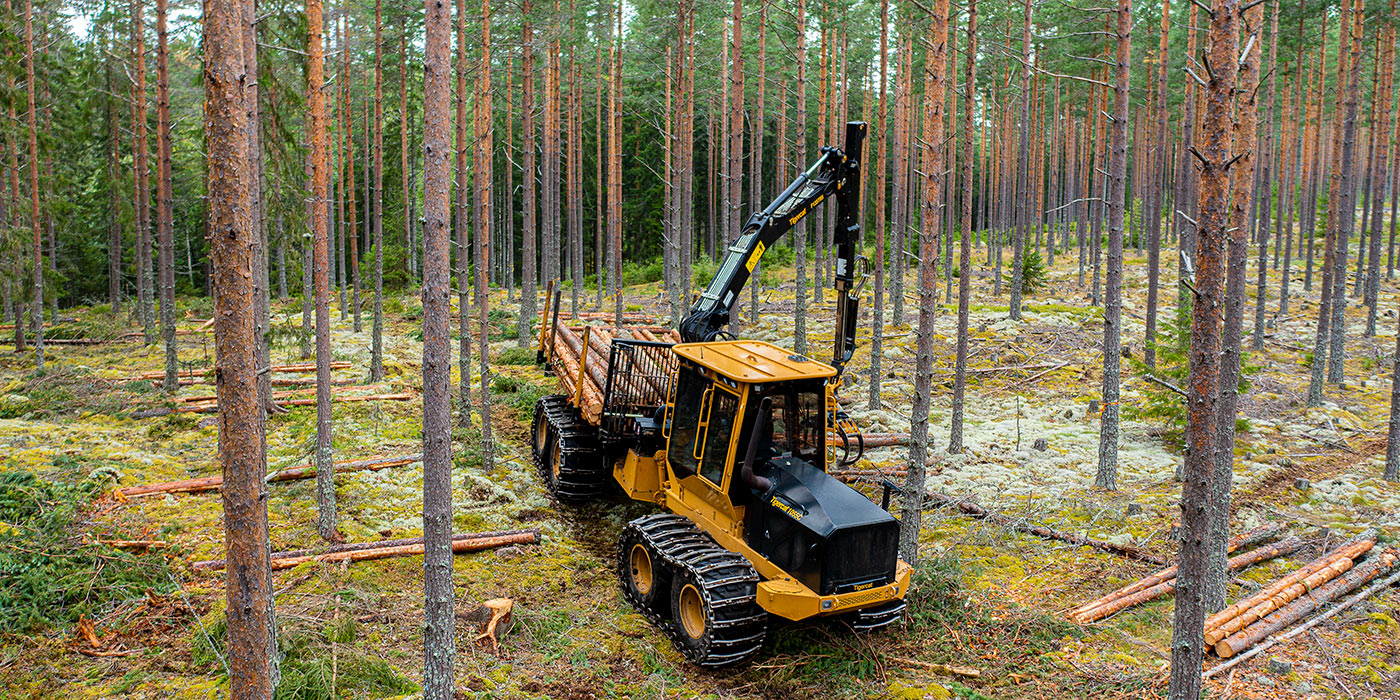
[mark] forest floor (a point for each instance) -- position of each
(88, 621)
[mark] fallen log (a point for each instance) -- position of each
(981, 513)
(875, 440)
(215, 482)
(1278, 600)
(1235, 563)
(1352, 549)
(1255, 536)
(279, 395)
(216, 564)
(213, 407)
(295, 368)
(134, 544)
(1373, 567)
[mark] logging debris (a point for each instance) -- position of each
(977, 511)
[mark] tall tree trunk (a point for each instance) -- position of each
(1265, 187)
(463, 250)
(1203, 381)
(404, 173)
(756, 179)
(1107, 477)
(615, 165)
(1157, 193)
(1023, 177)
(262, 300)
(145, 308)
(376, 361)
(877, 311)
(799, 233)
(528, 178)
(1345, 216)
(320, 245)
(955, 441)
(439, 639)
(1184, 196)
(482, 179)
(165, 202)
(242, 442)
(1237, 248)
(936, 62)
(1381, 131)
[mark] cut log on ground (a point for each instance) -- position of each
(1259, 534)
(1335, 568)
(1374, 566)
(1018, 525)
(365, 551)
(279, 395)
(1237, 562)
(308, 471)
(294, 368)
(1352, 549)
(213, 407)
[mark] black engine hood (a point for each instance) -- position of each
(823, 503)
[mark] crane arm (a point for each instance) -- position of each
(835, 173)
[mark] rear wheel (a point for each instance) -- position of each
(566, 452)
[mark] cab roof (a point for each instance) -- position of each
(753, 361)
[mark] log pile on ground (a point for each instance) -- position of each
(365, 551)
(305, 471)
(1029, 528)
(1164, 582)
(1294, 597)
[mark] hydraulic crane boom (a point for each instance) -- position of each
(835, 173)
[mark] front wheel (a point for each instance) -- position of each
(644, 576)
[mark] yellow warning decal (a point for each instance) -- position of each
(753, 259)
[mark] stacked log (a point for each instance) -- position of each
(1168, 586)
(1258, 535)
(1286, 589)
(1305, 605)
(567, 348)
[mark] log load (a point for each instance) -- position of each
(1278, 591)
(366, 551)
(1260, 534)
(1237, 562)
(306, 471)
(1372, 567)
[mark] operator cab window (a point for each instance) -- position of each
(702, 425)
(796, 428)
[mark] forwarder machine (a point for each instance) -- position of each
(731, 437)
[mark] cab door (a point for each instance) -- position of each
(702, 421)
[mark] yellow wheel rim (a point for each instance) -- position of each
(692, 611)
(641, 569)
(541, 431)
(556, 458)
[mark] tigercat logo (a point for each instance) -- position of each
(864, 586)
(792, 512)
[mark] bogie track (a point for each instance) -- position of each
(709, 612)
(567, 452)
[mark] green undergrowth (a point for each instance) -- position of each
(518, 393)
(50, 575)
(66, 390)
(316, 664)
